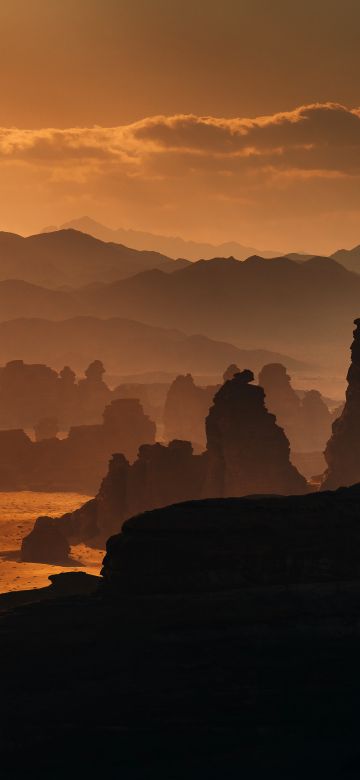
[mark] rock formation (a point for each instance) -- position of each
(306, 421)
(16, 460)
(281, 400)
(30, 392)
(111, 506)
(27, 393)
(247, 451)
(67, 398)
(161, 475)
(237, 543)
(46, 543)
(223, 643)
(342, 452)
(185, 410)
(165, 475)
(316, 422)
(94, 394)
(152, 397)
(79, 461)
(124, 420)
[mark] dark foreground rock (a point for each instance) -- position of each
(73, 583)
(254, 674)
(223, 544)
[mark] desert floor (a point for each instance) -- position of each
(18, 511)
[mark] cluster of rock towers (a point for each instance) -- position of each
(306, 421)
(247, 452)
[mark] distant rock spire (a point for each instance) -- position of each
(247, 451)
(282, 400)
(342, 452)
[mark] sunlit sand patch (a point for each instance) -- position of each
(18, 511)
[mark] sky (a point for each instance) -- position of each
(232, 120)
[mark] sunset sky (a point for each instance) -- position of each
(217, 121)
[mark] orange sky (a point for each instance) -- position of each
(290, 181)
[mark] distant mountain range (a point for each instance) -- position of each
(297, 305)
(349, 258)
(69, 259)
(176, 247)
(124, 346)
(281, 305)
(171, 246)
(72, 258)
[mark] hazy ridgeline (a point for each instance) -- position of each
(154, 323)
(65, 294)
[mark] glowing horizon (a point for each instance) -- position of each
(272, 182)
(216, 122)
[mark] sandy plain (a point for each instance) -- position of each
(18, 511)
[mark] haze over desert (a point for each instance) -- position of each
(179, 389)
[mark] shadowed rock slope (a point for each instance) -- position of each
(221, 544)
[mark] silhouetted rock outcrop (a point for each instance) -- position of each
(152, 396)
(46, 543)
(282, 400)
(238, 655)
(68, 400)
(316, 422)
(165, 475)
(342, 452)
(185, 410)
(247, 451)
(28, 392)
(16, 451)
(160, 475)
(306, 421)
(220, 544)
(79, 461)
(112, 499)
(94, 394)
(125, 420)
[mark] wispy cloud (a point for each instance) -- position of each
(312, 133)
